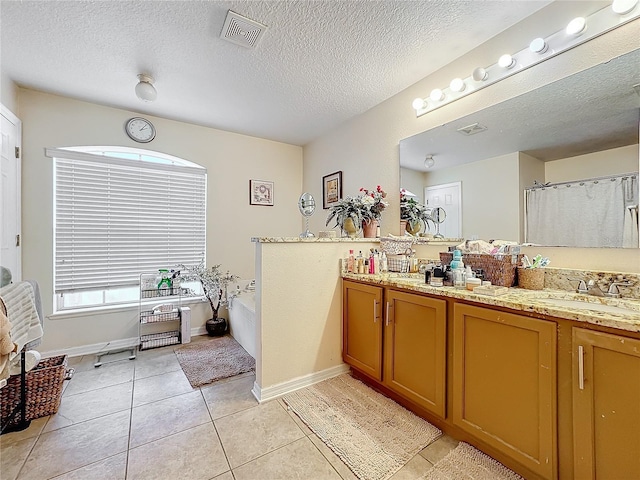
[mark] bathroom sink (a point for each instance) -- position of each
(593, 306)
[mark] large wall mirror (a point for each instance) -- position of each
(578, 129)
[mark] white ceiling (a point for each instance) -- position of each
(318, 64)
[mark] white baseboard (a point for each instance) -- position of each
(280, 389)
(107, 346)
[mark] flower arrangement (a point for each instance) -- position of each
(413, 212)
(364, 208)
(214, 283)
(373, 203)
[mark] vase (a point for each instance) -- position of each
(349, 227)
(216, 327)
(370, 228)
(413, 228)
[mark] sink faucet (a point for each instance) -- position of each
(613, 291)
(592, 288)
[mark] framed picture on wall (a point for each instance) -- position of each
(260, 193)
(331, 189)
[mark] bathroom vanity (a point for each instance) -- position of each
(545, 383)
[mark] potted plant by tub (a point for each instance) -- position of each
(214, 287)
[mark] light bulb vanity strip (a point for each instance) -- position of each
(578, 31)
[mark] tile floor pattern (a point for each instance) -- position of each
(140, 419)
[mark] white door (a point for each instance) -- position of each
(448, 197)
(10, 168)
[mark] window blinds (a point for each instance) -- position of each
(116, 218)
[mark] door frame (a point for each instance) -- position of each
(13, 119)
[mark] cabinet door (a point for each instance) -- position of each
(504, 384)
(362, 328)
(414, 349)
(606, 406)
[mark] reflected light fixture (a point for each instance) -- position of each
(429, 161)
(506, 61)
(576, 26)
(538, 45)
(145, 90)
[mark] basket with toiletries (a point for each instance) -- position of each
(498, 269)
(397, 250)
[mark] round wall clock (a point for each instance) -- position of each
(140, 129)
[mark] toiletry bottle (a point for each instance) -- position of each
(360, 262)
(350, 262)
(366, 266)
(384, 264)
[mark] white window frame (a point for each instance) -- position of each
(87, 207)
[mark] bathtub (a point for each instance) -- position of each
(242, 318)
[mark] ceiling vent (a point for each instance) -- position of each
(241, 30)
(472, 129)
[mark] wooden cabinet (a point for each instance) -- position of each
(415, 349)
(606, 405)
(362, 328)
(504, 384)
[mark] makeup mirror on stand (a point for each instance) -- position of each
(438, 215)
(306, 205)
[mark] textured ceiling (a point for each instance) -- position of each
(318, 64)
(596, 109)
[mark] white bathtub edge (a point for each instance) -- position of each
(280, 389)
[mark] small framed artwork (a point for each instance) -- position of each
(331, 189)
(260, 193)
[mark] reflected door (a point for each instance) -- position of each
(447, 196)
(10, 194)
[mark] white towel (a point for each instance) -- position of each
(631, 227)
(19, 300)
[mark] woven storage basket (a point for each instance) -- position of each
(531, 278)
(44, 389)
(398, 263)
(395, 246)
(498, 269)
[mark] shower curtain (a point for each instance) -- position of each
(589, 213)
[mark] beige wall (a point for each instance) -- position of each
(413, 181)
(592, 165)
(366, 149)
(231, 160)
(8, 93)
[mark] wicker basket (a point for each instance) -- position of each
(531, 278)
(398, 263)
(498, 269)
(396, 245)
(43, 386)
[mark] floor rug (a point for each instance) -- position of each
(371, 433)
(467, 463)
(210, 360)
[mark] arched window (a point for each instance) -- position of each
(120, 212)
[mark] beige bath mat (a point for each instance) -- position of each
(371, 433)
(468, 463)
(210, 360)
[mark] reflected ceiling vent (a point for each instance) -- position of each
(472, 129)
(241, 30)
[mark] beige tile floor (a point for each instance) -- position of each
(140, 419)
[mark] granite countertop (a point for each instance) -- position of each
(418, 240)
(524, 300)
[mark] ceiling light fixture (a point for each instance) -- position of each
(608, 18)
(429, 161)
(538, 45)
(419, 104)
(436, 95)
(457, 85)
(576, 26)
(622, 7)
(145, 90)
(480, 74)
(507, 61)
